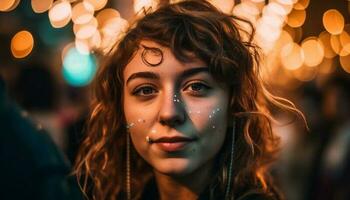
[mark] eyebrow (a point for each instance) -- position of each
(151, 75)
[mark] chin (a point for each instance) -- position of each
(174, 167)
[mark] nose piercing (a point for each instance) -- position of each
(149, 140)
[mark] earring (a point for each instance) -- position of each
(229, 176)
(128, 172)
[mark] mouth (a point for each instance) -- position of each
(173, 144)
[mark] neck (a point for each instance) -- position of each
(183, 187)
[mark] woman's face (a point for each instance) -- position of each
(176, 112)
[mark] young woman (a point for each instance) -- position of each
(180, 112)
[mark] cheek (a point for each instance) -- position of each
(208, 117)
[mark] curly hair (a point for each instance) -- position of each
(189, 29)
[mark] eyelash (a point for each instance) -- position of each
(139, 90)
(203, 86)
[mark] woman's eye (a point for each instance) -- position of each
(144, 91)
(198, 88)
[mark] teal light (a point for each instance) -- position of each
(78, 69)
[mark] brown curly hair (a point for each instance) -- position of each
(187, 28)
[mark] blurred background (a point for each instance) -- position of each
(50, 51)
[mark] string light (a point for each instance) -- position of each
(41, 6)
(325, 38)
(313, 51)
(333, 21)
(292, 56)
(97, 4)
(22, 44)
(8, 5)
(60, 13)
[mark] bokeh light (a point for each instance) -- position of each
(345, 50)
(78, 69)
(139, 5)
(333, 21)
(106, 14)
(40, 6)
(60, 13)
(8, 5)
(305, 73)
(325, 38)
(313, 51)
(84, 31)
(296, 18)
(22, 44)
(225, 6)
(82, 13)
(345, 63)
(292, 56)
(344, 37)
(335, 43)
(301, 4)
(97, 4)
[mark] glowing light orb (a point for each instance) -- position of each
(60, 14)
(305, 73)
(84, 31)
(78, 69)
(301, 4)
(296, 18)
(105, 15)
(22, 44)
(145, 4)
(333, 21)
(292, 56)
(8, 5)
(225, 6)
(335, 43)
(82, 13)
(97, 4)
(313, 51)
(325, 38)
(345, 63)
(40, 6)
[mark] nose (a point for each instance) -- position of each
(172, 111)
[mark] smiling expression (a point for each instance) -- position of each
(176, 112)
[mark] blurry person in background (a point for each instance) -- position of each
(36, 91)
(180, 112)
(31, 166)
(332, 167)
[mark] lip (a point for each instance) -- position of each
(173, 144)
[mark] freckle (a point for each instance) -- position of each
(143, 121)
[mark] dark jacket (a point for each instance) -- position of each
(31, 167)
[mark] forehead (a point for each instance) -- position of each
(169, 63)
